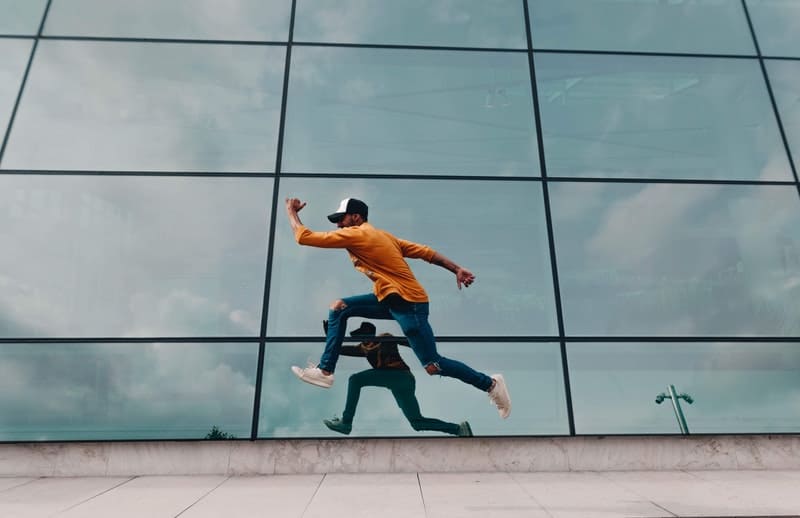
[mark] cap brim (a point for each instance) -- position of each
(336, 217)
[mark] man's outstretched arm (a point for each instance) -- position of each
(293, 206)
(463, 276)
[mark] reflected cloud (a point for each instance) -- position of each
(456, 23)
(154, 107)
(128, 256)
(180, 19)
(125, 391)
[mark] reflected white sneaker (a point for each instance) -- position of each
(499, 396)
(314, 376)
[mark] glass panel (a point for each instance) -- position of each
(120, 391)
(718, 27)
(658, 117)
(462, 23)
(12, 67)
(126, 256)
(775, 23)
(21, 16)
(678, 260)
(784, 76)
(403, 111)
(200, 19)
(291, 408)
(150, 107)
(734, 387)
(503, 242)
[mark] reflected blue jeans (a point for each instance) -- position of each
(413, 320)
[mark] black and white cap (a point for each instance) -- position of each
(349, 206)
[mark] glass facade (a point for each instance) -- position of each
(620, 175)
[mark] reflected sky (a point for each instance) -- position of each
(736, 387)
(409, 111)
(717, 27)
(658, 117)
(21, 17)
(784, 76)
(503, 243)
(258, 20)
(291, 408)
(125, 391)
(152, 107)
(678, 260)
(12, 67)
(126, 256)
(453, 23)
(775, 23)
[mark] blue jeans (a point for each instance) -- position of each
(413, 320)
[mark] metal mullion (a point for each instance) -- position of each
(771, 95)
(549, 222)
(271, 237)
(685, 181)
(198, 41)
(87, 172)
(24, 82)
(645, 53)
(405, 47)
(120, 340)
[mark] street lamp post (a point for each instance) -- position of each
(676, 405)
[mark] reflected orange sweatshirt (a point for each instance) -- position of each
(377, 254)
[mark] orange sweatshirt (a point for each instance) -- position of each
(377, 254)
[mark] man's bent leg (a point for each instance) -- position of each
(366, 306)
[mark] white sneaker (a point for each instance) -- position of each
(499, 396)
(313, 375)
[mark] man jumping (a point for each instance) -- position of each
(396, 295)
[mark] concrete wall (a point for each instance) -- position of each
(400, 455)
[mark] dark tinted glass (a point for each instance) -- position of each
(366, 110)
(717, 27)
(149, 106)
(179, 19)
(67, 391)
(495, 229)
(678, 260)
(291, 408)
(465, 23)
(658, 117)
(734, 387)
(126, 256)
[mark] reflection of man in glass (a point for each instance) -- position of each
(396, 295)
(389, 371)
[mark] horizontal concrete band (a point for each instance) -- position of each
(401, 455)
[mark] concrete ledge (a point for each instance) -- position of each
(401, 455)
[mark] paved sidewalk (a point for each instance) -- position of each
(411, 495)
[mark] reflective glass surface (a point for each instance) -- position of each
(504, 243)
(21, 16)
(784, 77)
(658, 117)
(66, 391)
(678, 260)
(147, 106)
(716, 27)
(409, 111)
(106, 256)
(775, 23)
(291, 408)
(734, 387)
(463, 23)
(12, 67)
(180, 19)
